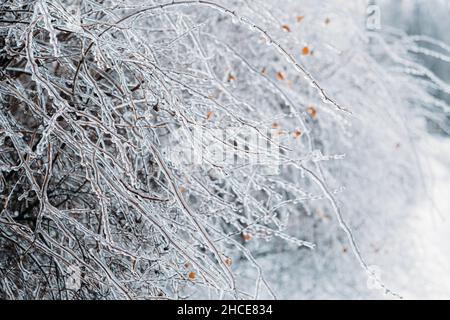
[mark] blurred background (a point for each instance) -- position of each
(430, 20)
(405, 240)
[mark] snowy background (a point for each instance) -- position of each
(431, 214)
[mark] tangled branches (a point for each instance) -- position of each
(145, 146)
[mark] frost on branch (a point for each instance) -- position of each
(148, 147)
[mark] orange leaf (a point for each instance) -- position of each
(275, 125)
(296, 134)
(247, 236)
(181, 189)
(280, 76)
(312, 112)
(305, 51)
(191, 275)
(227, 261)
(209, 115)
(286, 28)
(231, 77)
(299, 18)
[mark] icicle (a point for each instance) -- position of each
(49, 27)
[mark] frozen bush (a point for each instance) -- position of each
(149, 147)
